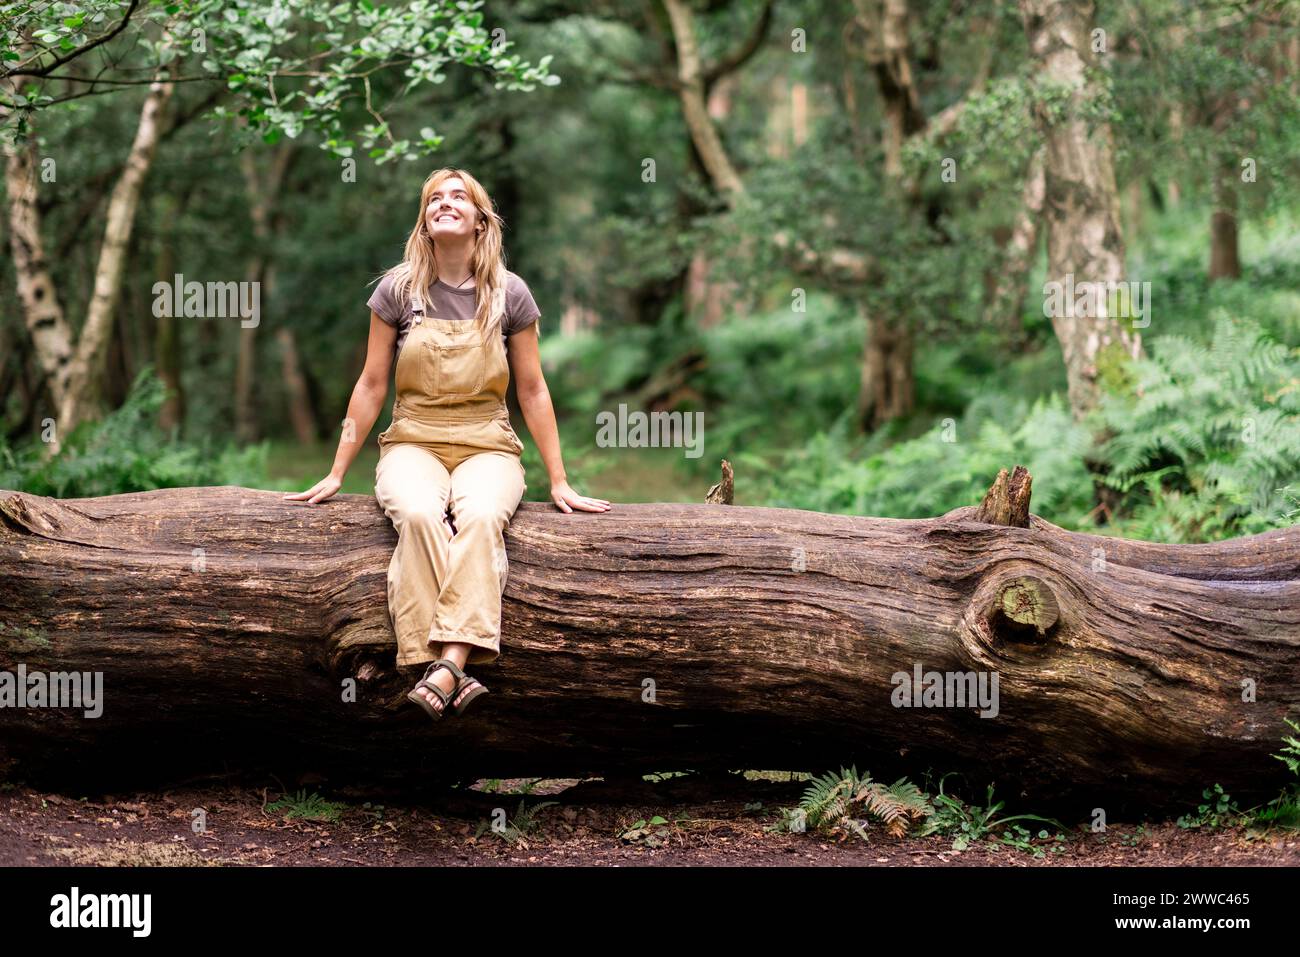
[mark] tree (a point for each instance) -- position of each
(1085, 242)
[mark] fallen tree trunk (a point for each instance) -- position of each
(230, 625)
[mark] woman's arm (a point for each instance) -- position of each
(539, 413)
(363, 408)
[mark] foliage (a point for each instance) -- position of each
(834, 804)
(1217, 811)
(950, 464)
(1290, 755)
(308, 807)
(648, 833)
(256, 50)
(967, 823)
(1284, 810)
(1209, 447)
(127, 452)
(778, 379)
(519, 828)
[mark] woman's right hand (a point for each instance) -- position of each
(319, 492)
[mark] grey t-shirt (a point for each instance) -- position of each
(444, 302)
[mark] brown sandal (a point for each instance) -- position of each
(470, 696)
(445, 697)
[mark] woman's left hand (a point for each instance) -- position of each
(566, 500)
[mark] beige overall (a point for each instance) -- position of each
(450, 447)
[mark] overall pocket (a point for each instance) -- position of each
(455, 371)
(383, 436)
(511, 435)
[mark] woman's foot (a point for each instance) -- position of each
(445, 680)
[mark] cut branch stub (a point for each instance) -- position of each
(724, 492)
(1007, 500)
(1025, 610)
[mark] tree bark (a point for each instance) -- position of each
(297, 395)
(887, 389)
(167, 331)
(51, 336)
(1225, 258)
(230, 625)
(1084, 237)
(262, 200)
(709, 298)
(86, 366)
(1006, 289)
(838, 265)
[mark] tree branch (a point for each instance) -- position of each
(59, 61)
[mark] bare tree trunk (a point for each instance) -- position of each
(1225, 258)
(1007, 299)
(690, 77)
(167, 331)
(1173, 191)
(87, 365)
(262, 199)
(692, 642)
(887, 391)
(892, 59)
(708, 297)
(838, 265)
(43, 316)
(301, 413)
(1084, 238)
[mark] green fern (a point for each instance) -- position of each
(1290, 755)
(518, 829)
(833, 802)
(127, 452)
(1209, 446)
(309, 807)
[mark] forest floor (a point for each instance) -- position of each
(587, 825)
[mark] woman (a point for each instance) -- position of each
(458, 323)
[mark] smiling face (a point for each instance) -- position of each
(450, 213)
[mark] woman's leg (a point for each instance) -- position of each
(486, 489)
(412, 487)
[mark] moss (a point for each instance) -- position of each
(1115, 370)
(23, 640)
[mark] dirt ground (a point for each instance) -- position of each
(588, 824)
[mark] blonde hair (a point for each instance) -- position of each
(487, 263)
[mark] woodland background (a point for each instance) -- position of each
(825, 225)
